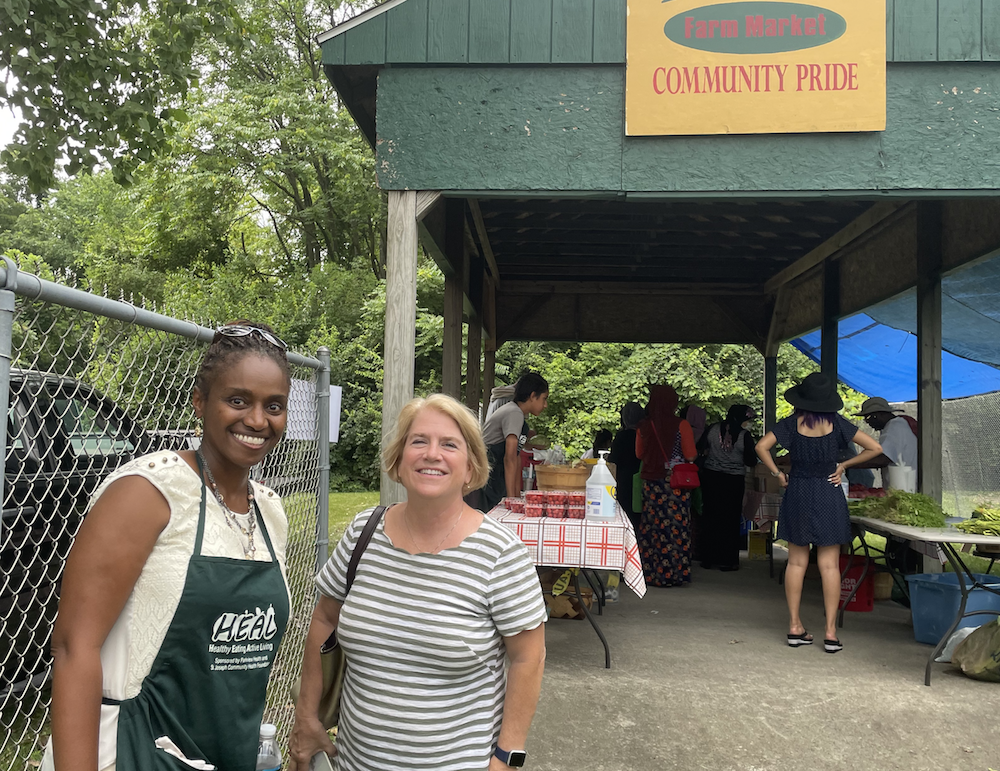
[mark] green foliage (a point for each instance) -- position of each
(590, 382)
(901, 508)
(256, 200)
(267, 122)
(99, 81)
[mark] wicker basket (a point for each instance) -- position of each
(562, 477)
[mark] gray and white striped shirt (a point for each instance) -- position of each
(423, 634)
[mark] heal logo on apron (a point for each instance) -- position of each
(202, 702)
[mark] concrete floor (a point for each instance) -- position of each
(702, 678)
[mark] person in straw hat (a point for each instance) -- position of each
(814, 509)
(897, 433)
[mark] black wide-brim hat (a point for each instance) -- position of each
(817, 393)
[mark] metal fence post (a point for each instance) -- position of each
(323, 461)
(6, 352)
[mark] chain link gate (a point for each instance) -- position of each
(93, 383)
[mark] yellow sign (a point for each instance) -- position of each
(754, 67)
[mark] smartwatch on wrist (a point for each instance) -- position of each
(513, 758)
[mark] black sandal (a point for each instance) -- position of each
(795, 640)
(833, 646)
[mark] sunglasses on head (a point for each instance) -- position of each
(240, 330)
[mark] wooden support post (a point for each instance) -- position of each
(831, 317)
(400, 321)
(770, 392)
(451, 365)
(489, 374)
(454, 289)
(473, 365)
(929, 413)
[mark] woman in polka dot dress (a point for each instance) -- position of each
(814, 509)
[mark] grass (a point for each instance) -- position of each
(23, 736)
(343, 507)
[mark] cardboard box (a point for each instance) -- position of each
(756, 545)
(763, 481)
(564, 605)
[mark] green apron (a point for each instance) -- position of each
(207, 686)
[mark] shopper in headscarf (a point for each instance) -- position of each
(697, 417)
(729, 449)
(624, 457)
(664, 532)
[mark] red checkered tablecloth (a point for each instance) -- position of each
(579, 543)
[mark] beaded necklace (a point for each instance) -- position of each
(249, 549)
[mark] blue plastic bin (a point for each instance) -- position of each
(934, 600)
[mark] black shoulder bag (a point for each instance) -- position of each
(332, 656)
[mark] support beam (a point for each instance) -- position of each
(779, 316)
(930, 248)
(631, 288)
(867, 221)
(451, 365)
(484, 239)
(770, 392)
(426, 200)
(454, 291)
(489, 374)
(400, 321)
(831, 318)
(473, 371)
(490, 308)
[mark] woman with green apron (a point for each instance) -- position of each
(174, 597)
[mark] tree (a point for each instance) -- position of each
(99, 80)
(268, 118)
(590, 382)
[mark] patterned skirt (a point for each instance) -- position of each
(664, 534)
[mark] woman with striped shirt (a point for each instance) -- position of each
(442, 595)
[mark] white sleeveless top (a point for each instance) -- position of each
(133, 642)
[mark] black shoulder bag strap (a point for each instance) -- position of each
(352, 566)
(362, 544)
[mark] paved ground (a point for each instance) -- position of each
(701, 678)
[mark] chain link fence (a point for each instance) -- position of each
(970, 451)
(88, 391)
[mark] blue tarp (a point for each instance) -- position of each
(878, 349)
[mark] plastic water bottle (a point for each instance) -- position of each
(268, 754)
(601, 491)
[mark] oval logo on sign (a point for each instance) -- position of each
(755, 27)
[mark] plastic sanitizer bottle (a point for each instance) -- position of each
(268, 754)
(601, 490)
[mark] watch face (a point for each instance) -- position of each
(517, 758)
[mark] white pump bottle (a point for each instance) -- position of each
(601, 491)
